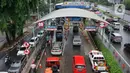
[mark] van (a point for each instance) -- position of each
(116, 25)
(78, 64)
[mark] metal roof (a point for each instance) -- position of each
(71, 12)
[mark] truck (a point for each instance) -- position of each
(98, 61)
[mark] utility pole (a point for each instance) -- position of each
(50, 6)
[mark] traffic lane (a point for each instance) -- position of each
(3, 66)
(125, 16)
(120, 47)
(85, 49)
(67, 56)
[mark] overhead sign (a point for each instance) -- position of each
(91, 28)
(51, 28)
(76, 3)
(120, 9)
(26, 51)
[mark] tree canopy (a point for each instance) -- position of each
(13, 14)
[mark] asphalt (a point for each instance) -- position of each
(69, 52)
(125, 17)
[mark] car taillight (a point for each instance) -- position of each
(96, 67)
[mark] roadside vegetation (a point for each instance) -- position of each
(114, 67)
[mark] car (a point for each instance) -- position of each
(108, 30)
(22, 49)
(60, 28)
(78, 64)
(127, 47)
(116, 25)
(97, 61)
(34, 41)
(15, 67)
(76, 41)
(116, 19)
(75, 29)
(57, 48)
(52, 65)
(59, 36)
(126, 27)
(40, 33)
(116, 37)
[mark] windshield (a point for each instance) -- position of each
(22, 48)
(32, 40)
(76, 40)
(80, 66)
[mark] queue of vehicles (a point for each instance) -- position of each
(15, 61)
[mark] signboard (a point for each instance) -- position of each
(91, 28)
(26, 51)
(76, 3)
(41, 24)
(103, 24)
(75, 19)
(51, 28)
(26, 44)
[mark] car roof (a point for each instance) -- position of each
(116, 22)
(53, 59)
(79, 60)
(117, 34)
(33, 37)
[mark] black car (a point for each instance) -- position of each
(126, 27)
(60, 28)
(127, 47)
(75, 29)
(107, 30)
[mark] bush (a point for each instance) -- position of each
(114, 67)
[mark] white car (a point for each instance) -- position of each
(97, 61)
(33, 42)
(77, 40)
(40, 33)
(116, 25)
(57, 49)
(21, 50)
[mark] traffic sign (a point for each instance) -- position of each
(26, 44)
(26, 51)
(41, 24)
(91, 28)
(103, 24)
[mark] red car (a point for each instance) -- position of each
(79, 65)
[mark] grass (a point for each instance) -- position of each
(114, 67)
(108, 14)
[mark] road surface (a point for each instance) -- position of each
(125, 16)
(69, 52)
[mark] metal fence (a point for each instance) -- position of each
(121, 61)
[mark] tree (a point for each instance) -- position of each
(13, 14)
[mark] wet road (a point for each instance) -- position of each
(69, 52)
(13, 52)
(125, 17)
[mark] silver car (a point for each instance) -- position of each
(76, 41)
(116, 37)
(15, 67)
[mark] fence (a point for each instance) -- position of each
(121, 61)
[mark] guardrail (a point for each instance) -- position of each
(92, 41)
(121, 61)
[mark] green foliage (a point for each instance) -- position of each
(127, 4)
(114, 67)
(13, 14)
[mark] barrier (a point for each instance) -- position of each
(121, 61)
